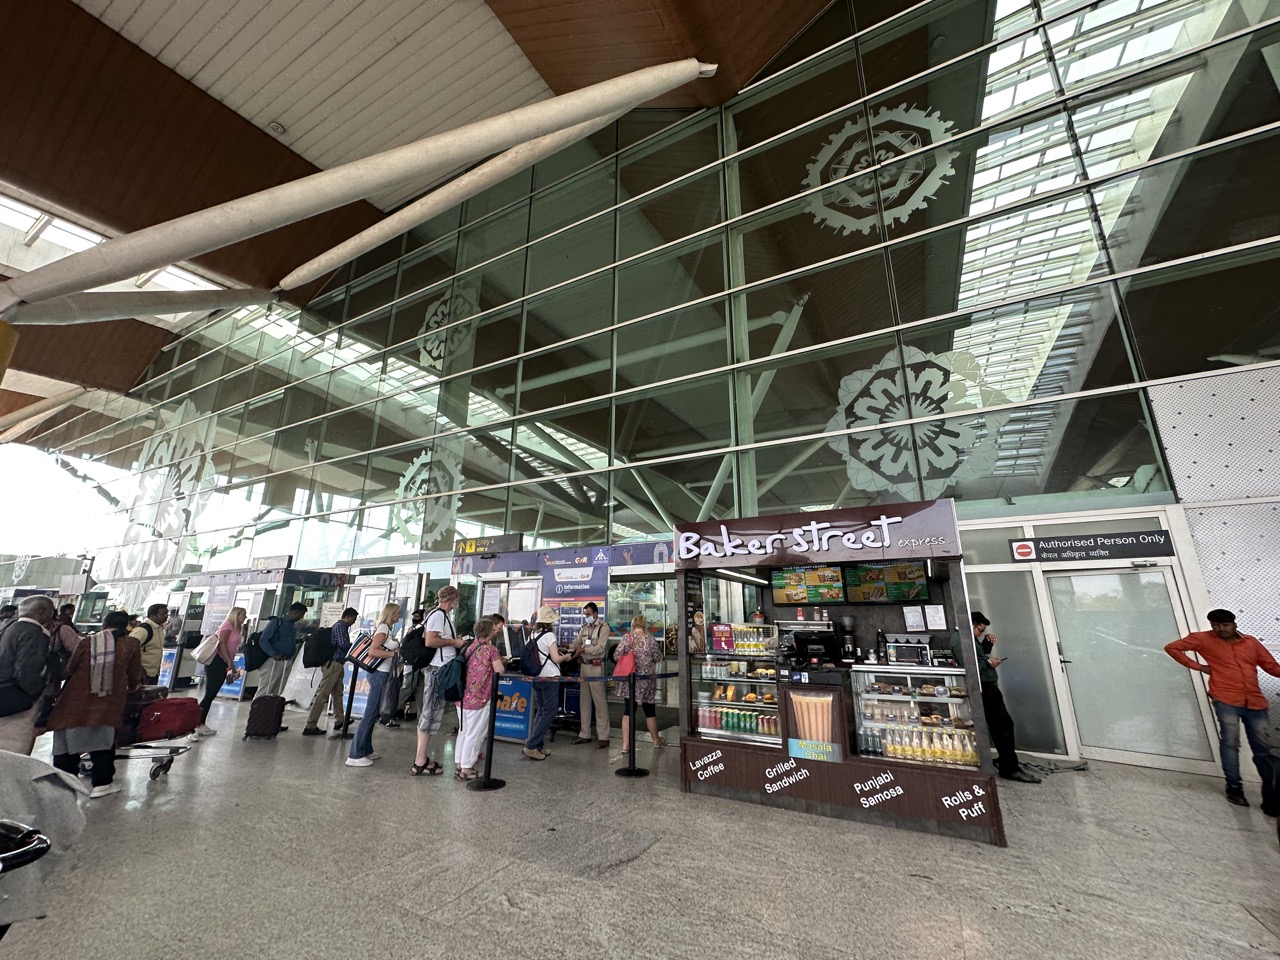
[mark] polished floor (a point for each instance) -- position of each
(275, 849)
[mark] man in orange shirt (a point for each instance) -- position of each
(1232, 660)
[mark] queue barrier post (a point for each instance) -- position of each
(351, 700)
(488, 782)
(631, 770)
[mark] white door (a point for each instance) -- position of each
(1128, 700)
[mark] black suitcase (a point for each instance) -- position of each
(265, 716)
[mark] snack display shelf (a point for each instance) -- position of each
(910, 669)
(730, 655)
(910, 699)
(735, 678)
(763, 739)
(751, 704)
(912, 724)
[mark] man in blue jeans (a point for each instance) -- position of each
(1232, 661)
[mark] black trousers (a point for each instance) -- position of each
(215, 675)
(1001, 726)
(104, 765)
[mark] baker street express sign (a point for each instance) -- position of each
(888, 532)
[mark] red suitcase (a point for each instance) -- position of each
(168, 719)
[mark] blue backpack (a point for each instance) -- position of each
(451, 679)
(531, 659)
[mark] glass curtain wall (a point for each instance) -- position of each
(933, 252)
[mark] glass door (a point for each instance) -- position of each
(1131, 702)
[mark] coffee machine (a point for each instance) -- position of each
(845, 635)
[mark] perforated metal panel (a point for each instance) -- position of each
(1237, 549)
(1221, 435)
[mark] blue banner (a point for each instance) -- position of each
(514, 709)
(362, 688)
(235, 688)
(168, 666)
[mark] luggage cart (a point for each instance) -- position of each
(160, 752)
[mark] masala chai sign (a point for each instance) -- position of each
(899, 530)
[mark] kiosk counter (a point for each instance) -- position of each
(837, 702)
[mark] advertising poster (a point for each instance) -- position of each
(722, 637)
(235, 689)
(168, 666)
(362, 688)
(807, 585)
(514, 709)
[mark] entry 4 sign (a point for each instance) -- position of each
(1096, 546)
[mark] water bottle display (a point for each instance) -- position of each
(922, 715)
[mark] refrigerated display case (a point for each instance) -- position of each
(916, 713)
(735, 688)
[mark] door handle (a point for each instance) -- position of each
(1060, 660)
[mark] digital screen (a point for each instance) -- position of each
(804, 585)
(888, 582)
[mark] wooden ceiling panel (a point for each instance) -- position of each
(103, 129)
(576, 43)
(111, 355)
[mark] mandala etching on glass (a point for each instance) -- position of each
(433, 343)
(850, 206)
(941, 452)
(429, 495)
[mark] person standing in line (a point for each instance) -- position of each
(546, 694)
(647, 653)
(103, 670)
(150, 636)
(63, 634)
(331, 676)
(483, 661)
(411, 683)
(591, 646)
(279, 643)
(8, 612)
(384, 648)
(441, 637)
(221, 668)
(24, 662)
(1232, 660)
(999, 722)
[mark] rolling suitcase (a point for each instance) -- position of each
(265, 717)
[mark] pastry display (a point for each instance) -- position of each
(749, 698)
(770, 698)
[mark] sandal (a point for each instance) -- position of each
(430, 768)
(468, 774)
(659, 742)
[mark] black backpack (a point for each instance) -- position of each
(318, 650)
(414, 649)
(254, 655)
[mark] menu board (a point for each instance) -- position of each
(807, 585)
(887, 582)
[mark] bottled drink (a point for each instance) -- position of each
(799, 613)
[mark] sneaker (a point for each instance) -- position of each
(205, 730)
(193, 736)
(105, 790)
(374, 756)
(312, 732)
(534, 754)
(389, 724)
(359, 762)
(1236, 795)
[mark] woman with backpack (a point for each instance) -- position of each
(483, 661)
(542, 647)
(221, 668)
(102, 671)
(383, 648)
(647, 656)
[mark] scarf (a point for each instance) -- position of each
(102, 662)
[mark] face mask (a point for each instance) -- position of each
(590, 620)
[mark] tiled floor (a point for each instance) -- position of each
(274, 849)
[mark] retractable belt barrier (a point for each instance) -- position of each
(488, 782)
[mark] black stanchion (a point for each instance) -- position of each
(631, 770)
(351, 699)
(488, 782)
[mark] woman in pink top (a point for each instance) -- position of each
(483, 661)
(221, 669)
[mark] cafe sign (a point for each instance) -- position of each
(861, 534)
